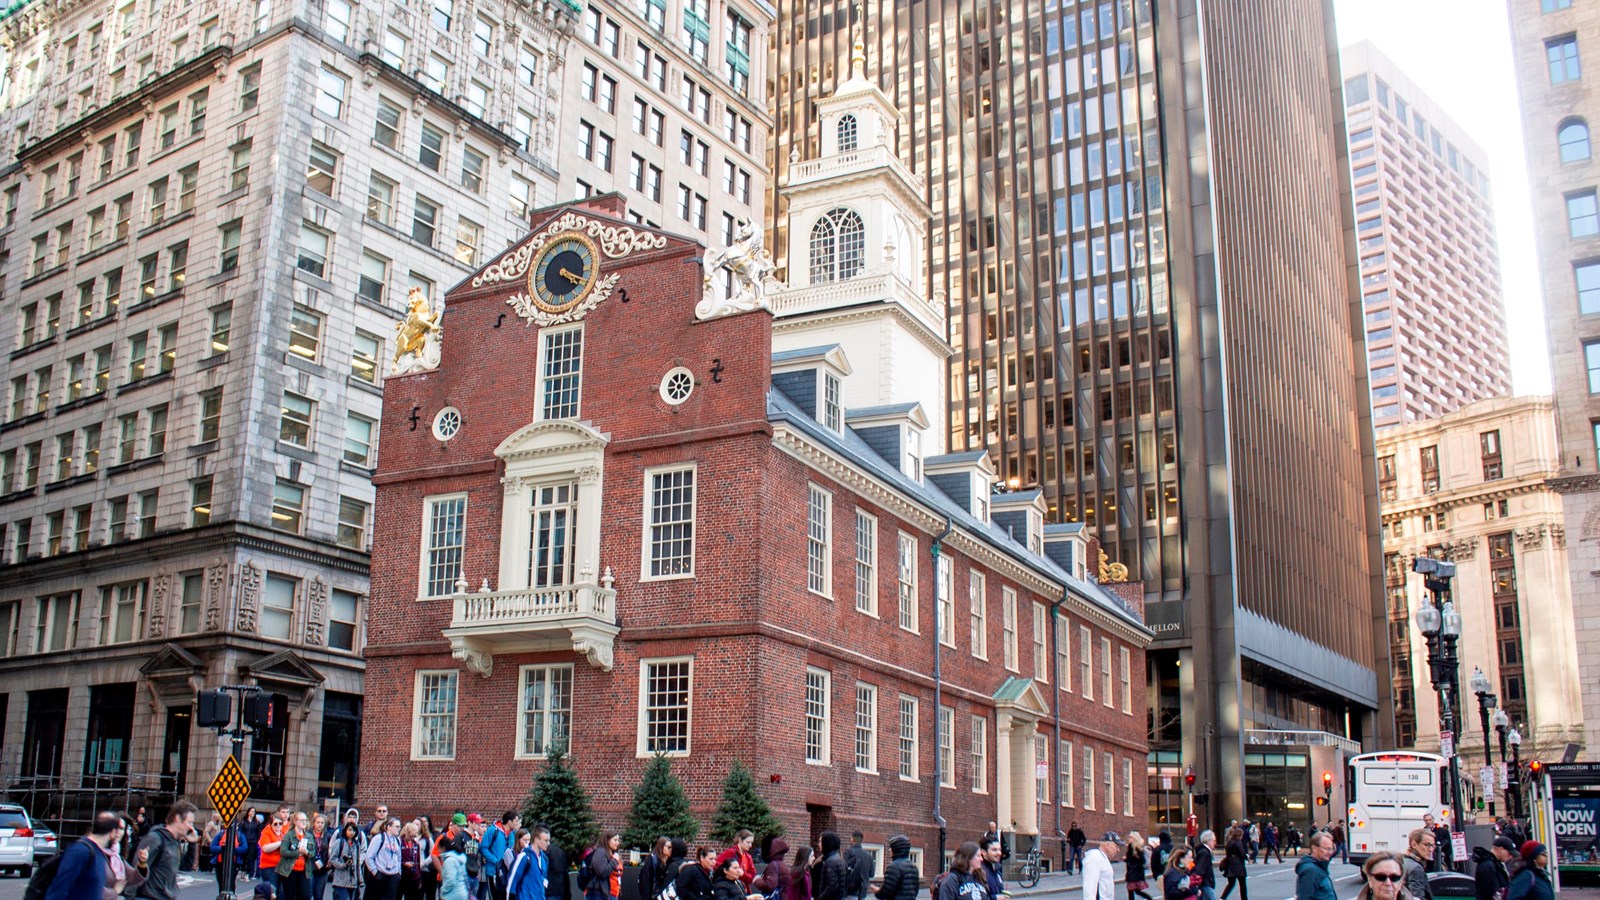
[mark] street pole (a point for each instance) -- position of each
(1515, 739)
(237, 734)
(1486, 701)
(1441, 625)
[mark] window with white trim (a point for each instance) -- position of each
(1109, 767)
(866, 728)
(819, 541)
(1041, 769)
(444, 540)
(1127, 680)
(1041, 648)
(913, 451)
(908, 582)
(866, 563)
(1064, 772)
(56, 620)
(945, 607)
(832, 406)
(980, 755)
(669, 538)
(1086, 661)
(1064, 652)
(978, 599)
(947, 747)
(1008, 627)
(560, 372)
(433, 724)
(122, 612)
(665, 705)
(1127, 786)
(908, 738)
(1106, 695)
(278, 595)
(552, 546)
(1088, 778)
(545, 708)
(818, 701)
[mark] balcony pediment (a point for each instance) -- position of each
(578, 617)
(552, 439)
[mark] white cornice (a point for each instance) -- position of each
(872, 488)
(876, 309)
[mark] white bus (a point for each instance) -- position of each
(1389, 793)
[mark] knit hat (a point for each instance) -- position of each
(1505, 843)
(1531, 850)
(458, 819)
(263, 890)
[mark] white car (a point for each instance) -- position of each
(45, 843)
(16, 840)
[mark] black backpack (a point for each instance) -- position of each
(39, 884)
(585, 871)
(854, 878)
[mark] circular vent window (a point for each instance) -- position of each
(446, 423)
(677, 385)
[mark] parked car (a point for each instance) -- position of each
(45, 843)
(16, 841)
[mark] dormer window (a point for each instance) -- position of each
(913, 468)
(1035, 532)
(838, 246)
(849, 133)
(980, 505)
(832, 410)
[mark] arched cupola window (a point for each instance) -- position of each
(838, 245)
(849, 133)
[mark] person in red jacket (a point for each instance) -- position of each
(742, 842)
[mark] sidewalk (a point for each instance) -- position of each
(1056, 882)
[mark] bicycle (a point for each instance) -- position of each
(1028, 869)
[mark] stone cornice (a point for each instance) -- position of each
(1487, 491)
(1574, 484)
(932, 522)
(872, 309)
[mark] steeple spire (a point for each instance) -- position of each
(858, 59)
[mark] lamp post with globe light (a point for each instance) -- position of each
(1502, 724)
(1486, 701)
(1515, 740)
(1440, 624)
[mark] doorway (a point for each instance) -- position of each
(822, 819)
(175, 754)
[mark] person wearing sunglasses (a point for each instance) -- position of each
(1384, 874)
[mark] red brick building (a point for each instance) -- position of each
(636, 529)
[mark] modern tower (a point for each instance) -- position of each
(1141, 224)
(1430, 273)
(1555, 43)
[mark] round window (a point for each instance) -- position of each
(677, 385)
(446, 423)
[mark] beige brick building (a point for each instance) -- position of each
(1474, 486)
(1430, 271)
(1557, 49)
(212, 214)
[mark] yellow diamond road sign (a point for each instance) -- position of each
(229, 789)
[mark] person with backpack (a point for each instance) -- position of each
(472, 849)
(993, 868)
(453, 877)
(859, 867)
(163, 848)
(901, 880)
(80, 870)
(529, 873)
(344, 860)
(241, 849)
(694, 882)
(600, 876)
(775, 877)
(965, 879)
(494, 848)
(384, 861)
(653, 868)
(829, 883)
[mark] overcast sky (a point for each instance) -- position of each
(1459, 52)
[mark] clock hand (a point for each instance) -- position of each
(570, 277)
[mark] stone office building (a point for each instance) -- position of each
(212, 216)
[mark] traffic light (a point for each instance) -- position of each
(1536, 768)
(1188, 779)
(1322, 801)
(261, 711)
(1327, 784)
(214, 709)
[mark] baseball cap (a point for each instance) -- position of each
(1505, 843)
(458, 819)
(474, 818)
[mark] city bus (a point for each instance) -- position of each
(1388, 794)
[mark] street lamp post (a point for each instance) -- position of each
(1515, 740)
(1502, 722)
(1441, 625)
(1486, 701)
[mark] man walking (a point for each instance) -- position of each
(1420, 848)
(530, 871)
(1339, 843)
(81, 873)
(1075, 842)
(1205, 864)
(1099, 881)
(496, 841)
(1492, 880)
(1311, 878)
(1445, 855)
(993, 867)
(165, 846)
(858, 869)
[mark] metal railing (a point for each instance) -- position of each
(1272, 737)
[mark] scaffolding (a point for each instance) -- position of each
(68, 811)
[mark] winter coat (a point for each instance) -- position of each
(80, 874)
(831, 881)
(295, 848)
(858, 867)
(607, 868)
(775, 877)
(1076, 837)
(559, 882)
(799, 886)
(1531, 883)
(345, 858)
(727, 888)
(1490, 879)
(493, 849)
(694, 882)
(1204, 866)
(1416, 878)
(1135, 866)
(452, 875)
(1312, 881)
(161, 876)
(746, 865)
(901, 880)
(1233, 864)
(1180, 885)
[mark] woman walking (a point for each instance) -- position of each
(1136, 860)
(799, 886)
(345, 857)
(297, 854)
(1531, 880)
(966, 879)
(1233, 864)
(453, 869)
(605, 881)
(1180, 881)
(413, 855)
(1382, 876)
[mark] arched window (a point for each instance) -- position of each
(848, 133)
(1573, 136)
(838, 242)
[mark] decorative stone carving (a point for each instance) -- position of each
(249, 597)
(597, 652)
(216, 588)
(160, 589)
(751, 266)
(1558, 535)
(475, 660)
(1464, 550)
(588, 475)
(417, 341)
(1591, 523)
(316, 612)
(1532, 538)
(617, 241)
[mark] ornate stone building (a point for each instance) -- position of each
(212, 214)
(1473, 486)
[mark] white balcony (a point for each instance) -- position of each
(850, 163)
(578, 617)
(869, 287)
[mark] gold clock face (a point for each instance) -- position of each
(563, 273)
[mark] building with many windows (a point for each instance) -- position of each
(727, 543)
(1554, 43)
(1111, 345)
(1473, 487)
(229, 204)
(1430, 273)
(666, 102)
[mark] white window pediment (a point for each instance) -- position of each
(537, 445)
(560, 451)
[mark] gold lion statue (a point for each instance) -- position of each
(413, 333)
